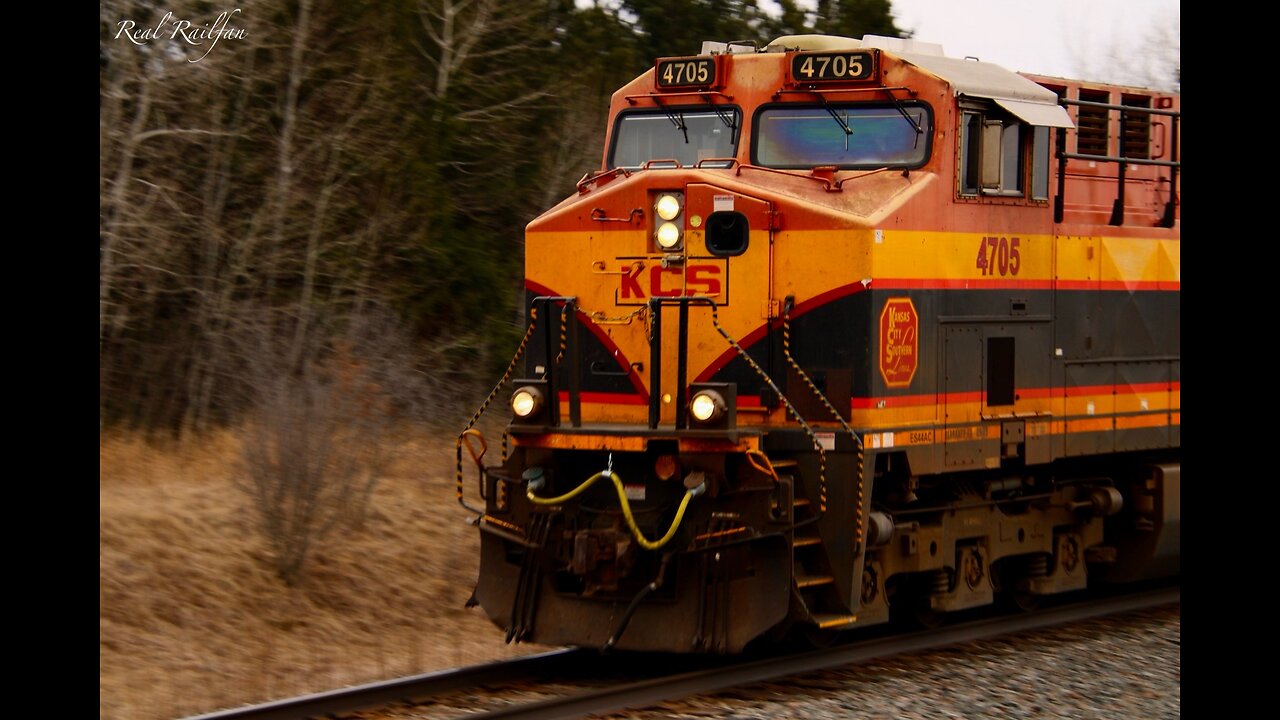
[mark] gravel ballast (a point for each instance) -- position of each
(1124, 666)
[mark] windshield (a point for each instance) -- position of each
(675, 134)
(846, 136)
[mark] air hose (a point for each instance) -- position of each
(645, 543)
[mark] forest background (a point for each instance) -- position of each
(352, 177)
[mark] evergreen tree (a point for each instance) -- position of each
(855, 18)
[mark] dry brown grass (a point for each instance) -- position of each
(193, 618)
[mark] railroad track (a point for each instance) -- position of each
(632, 680)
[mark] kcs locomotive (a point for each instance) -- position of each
(840, 328)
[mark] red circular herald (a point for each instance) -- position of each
(899, 342)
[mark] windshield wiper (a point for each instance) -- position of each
(898, 104)
(727, 119)
(677, 119)
(839, 120)
(836, 117)
(843, 125)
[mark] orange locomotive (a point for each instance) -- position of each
(841, 327)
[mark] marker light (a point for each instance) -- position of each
(707, 406)
(665, 467)
(668, 207)
(526, 401)
(668, 235)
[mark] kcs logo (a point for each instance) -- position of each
(639, 283)
(899, 342)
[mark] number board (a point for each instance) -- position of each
(686, 72)
(832, 66)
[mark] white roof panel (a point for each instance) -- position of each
(1027, 100)
(1020, 96)
(1037, 113)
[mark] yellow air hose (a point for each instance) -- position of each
(645, 543)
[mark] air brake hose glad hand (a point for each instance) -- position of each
(534, 478)
(695, 483)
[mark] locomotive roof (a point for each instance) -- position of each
(971, 78)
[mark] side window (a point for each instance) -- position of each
(1040, 164)
(970, 153)
(1001, 155)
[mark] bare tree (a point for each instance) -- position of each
(1153, 62)
(311, 166)
(243, 176)
(325, 427)
(481, 53)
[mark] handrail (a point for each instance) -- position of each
(787, 305)
(1117, 207)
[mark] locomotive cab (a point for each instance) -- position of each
(839, 326)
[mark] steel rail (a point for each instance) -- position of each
(408, 690)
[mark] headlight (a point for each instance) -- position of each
(707, 406)
(668, 235)
(668, 207)
(526, 401)
(668, 221)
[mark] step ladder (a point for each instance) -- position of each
(814, 583)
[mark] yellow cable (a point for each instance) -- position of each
(567, 496)
(645, 543)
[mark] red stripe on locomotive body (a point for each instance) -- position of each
(1080, 390)
(1119, 285)
(958, 284)
(980, 284)
(821, 299)
(901, 401)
